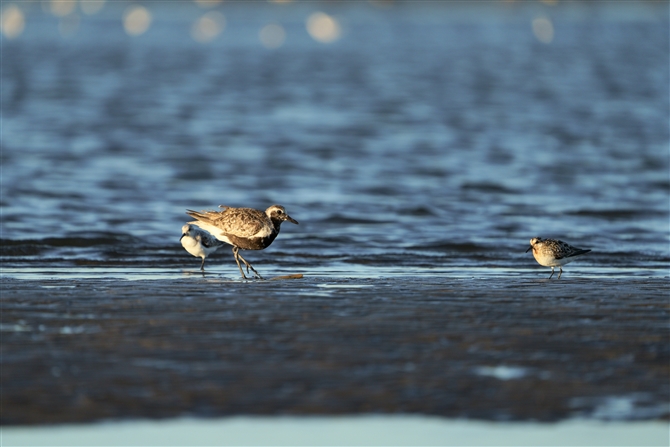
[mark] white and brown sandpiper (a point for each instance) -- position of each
(243, 228)
(554, 253)
(198, 242)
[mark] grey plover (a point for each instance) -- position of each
(198, 242)
(243, 228)
(554, 253)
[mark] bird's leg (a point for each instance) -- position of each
(560, 273)
(236, 255)
(552, 273)
(249, 266)
(202, 266)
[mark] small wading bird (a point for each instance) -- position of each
(198, 242)
(243, 228)
(553, 253)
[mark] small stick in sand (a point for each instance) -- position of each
(296, 276)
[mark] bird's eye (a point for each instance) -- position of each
(280, 212)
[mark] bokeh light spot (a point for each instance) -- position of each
(207, 27)
(136, 20)
(272, 35)
(323, 28)
(543, 29)
(12, 22)
(61, 8)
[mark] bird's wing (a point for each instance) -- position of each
(566, 250)
(209, 241)
(206, 238)
(578, 251)
(240, 222)
(558, 249)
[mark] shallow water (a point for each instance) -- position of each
(426, 140)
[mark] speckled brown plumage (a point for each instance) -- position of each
(554, 253)
(243, 228)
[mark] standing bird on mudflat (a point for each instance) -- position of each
(554, 253)
(198, 242)
(243, 228)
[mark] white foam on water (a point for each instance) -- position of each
(502, 372)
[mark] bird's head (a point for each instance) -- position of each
(277, 213)
(533, 241)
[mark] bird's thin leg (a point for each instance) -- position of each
(239, 257)
(249, 266)
(552, 273)
(560, 273)
(236, 255)
(202, 266)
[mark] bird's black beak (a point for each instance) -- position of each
(290, 219)
(529, 249)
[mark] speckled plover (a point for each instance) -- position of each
(554, 253)
(243, 228)
(198, 242)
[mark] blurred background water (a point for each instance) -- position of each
(406, 137)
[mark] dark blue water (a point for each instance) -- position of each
(427, 139)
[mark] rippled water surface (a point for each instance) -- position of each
(428, 139)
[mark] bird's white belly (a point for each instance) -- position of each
(550, 261)
(214, 231)
(220, 235)
(194, 247)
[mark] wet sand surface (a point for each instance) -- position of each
(519, 348)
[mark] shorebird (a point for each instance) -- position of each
(243, 228)
(198, 242)
(554, 253)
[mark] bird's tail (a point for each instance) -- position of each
(202, 216)
(580, 252)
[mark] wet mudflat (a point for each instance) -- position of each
(77, 350)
